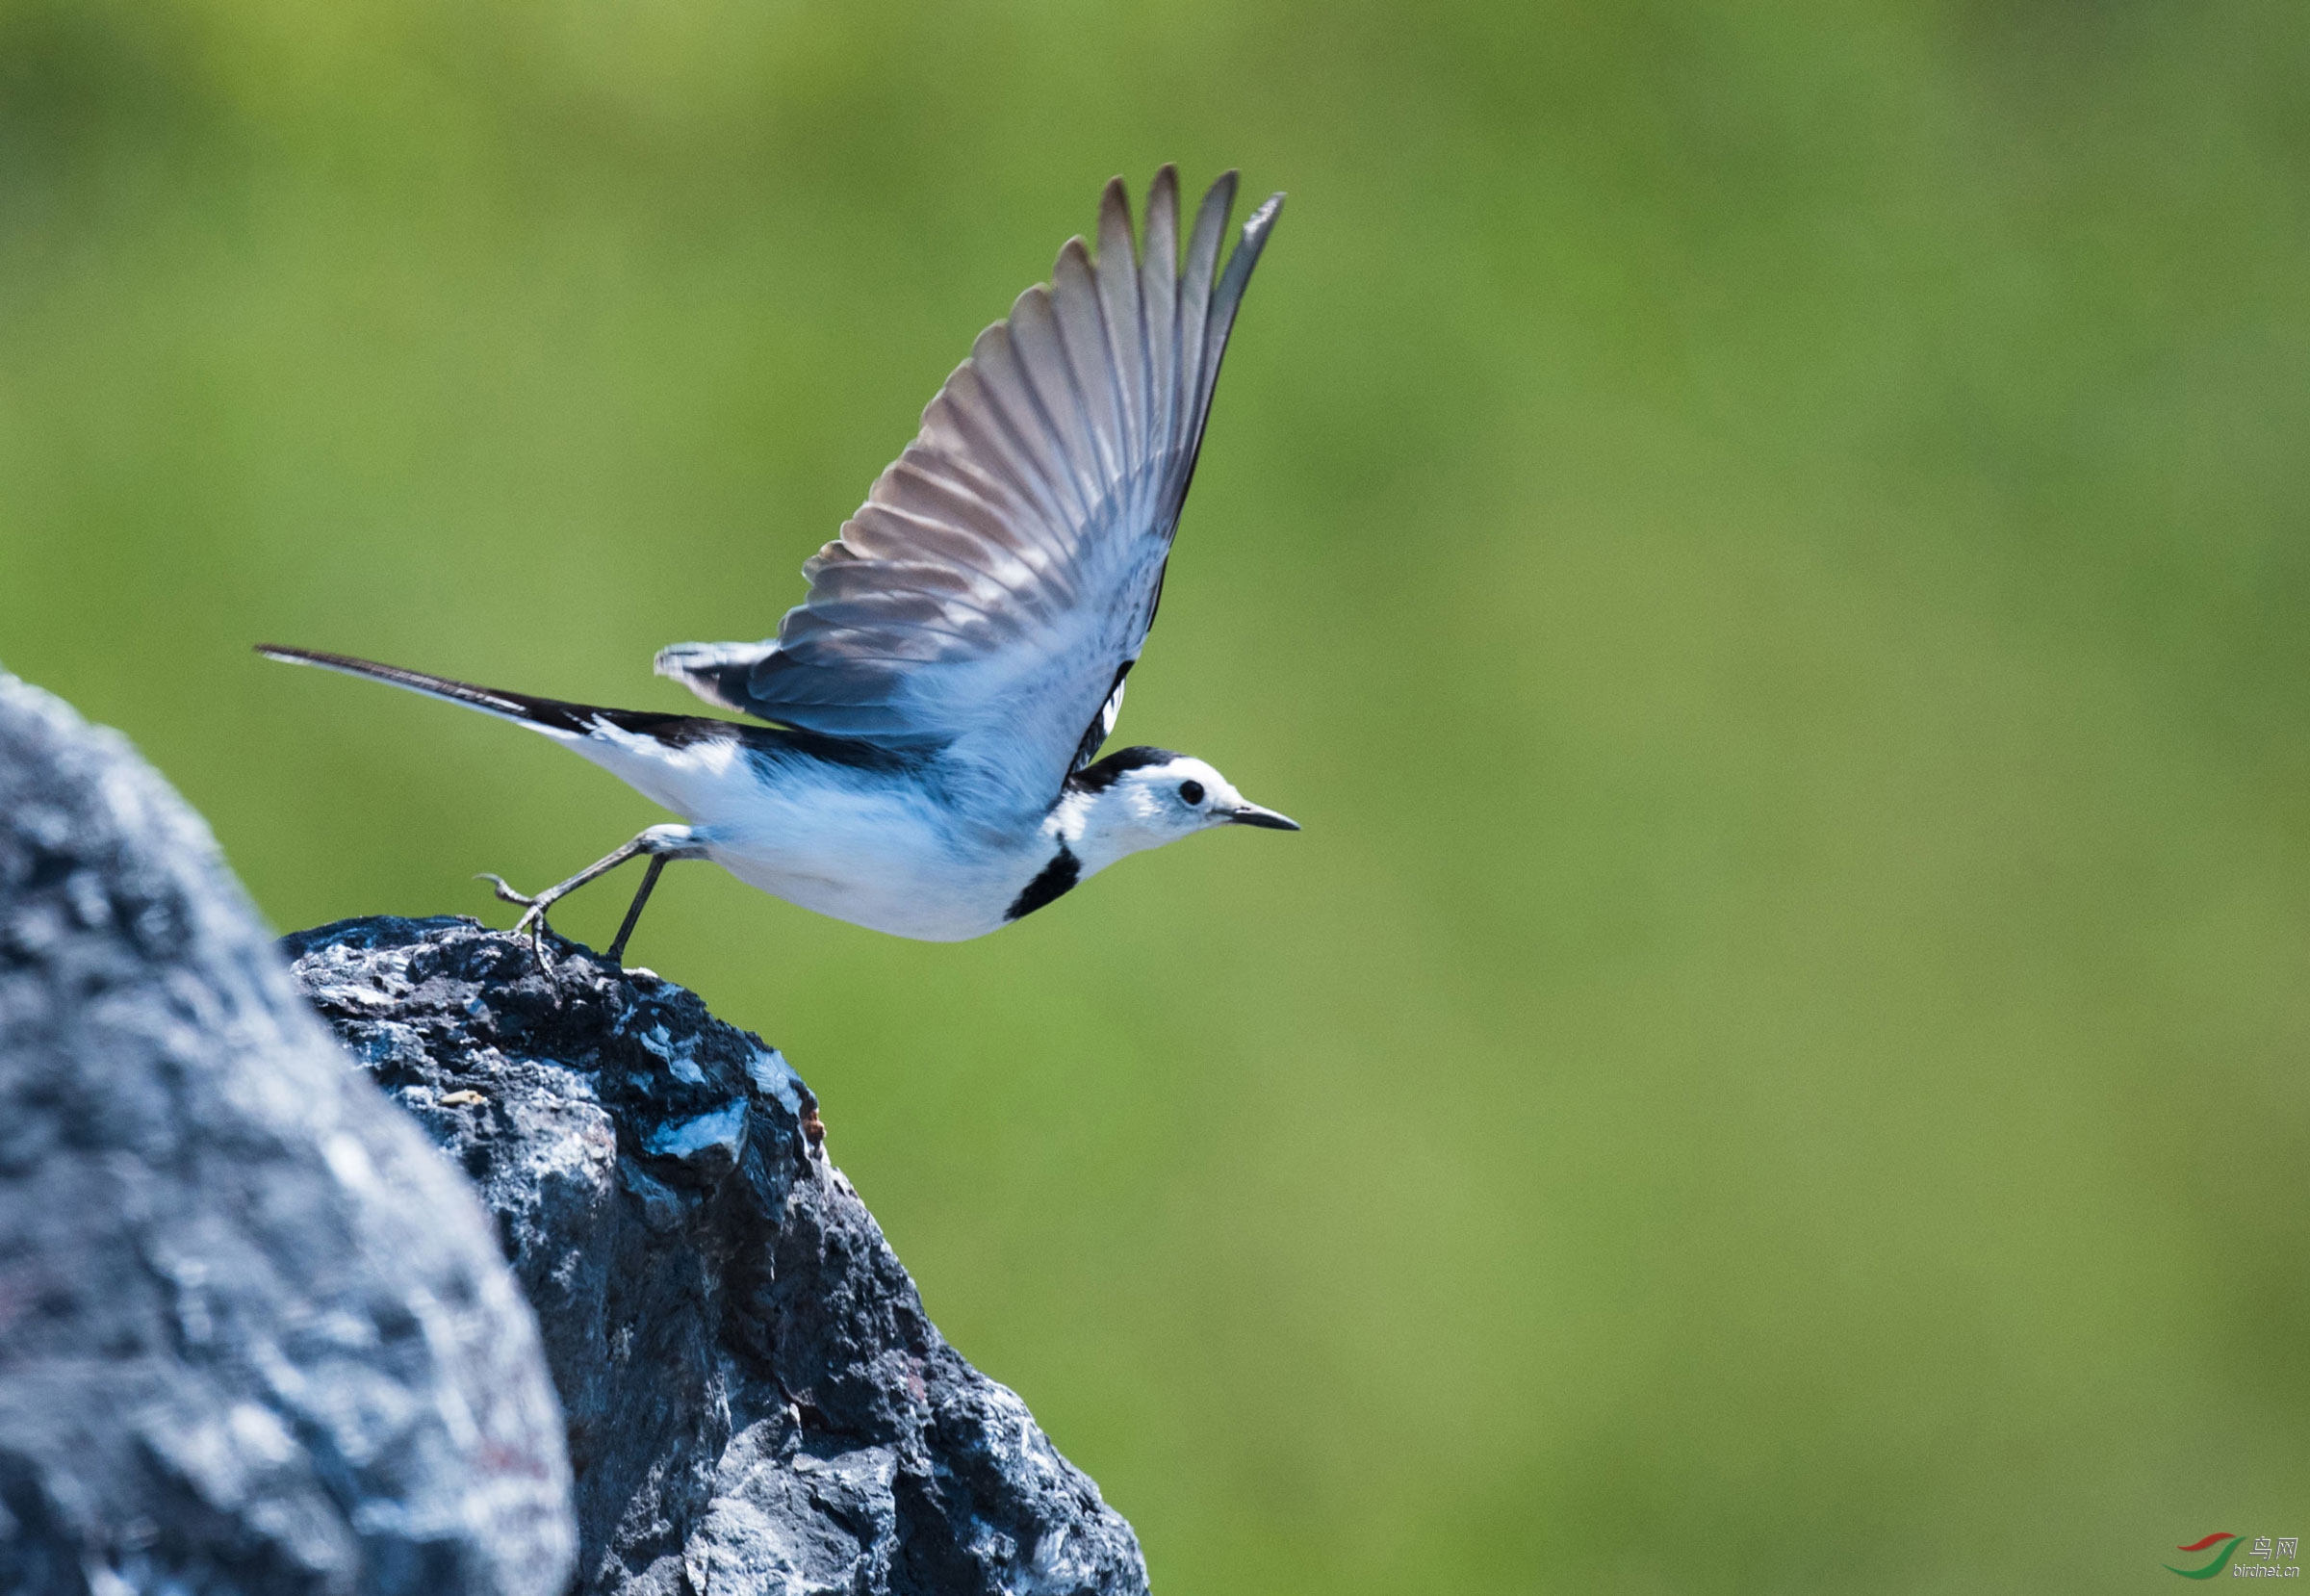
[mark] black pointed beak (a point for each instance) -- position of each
(1251, 814)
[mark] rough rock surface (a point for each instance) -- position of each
(253, 1335)
(756, 1402)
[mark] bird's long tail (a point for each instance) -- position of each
(667, 759)
(562, 721)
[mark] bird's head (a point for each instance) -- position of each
(1143, 797)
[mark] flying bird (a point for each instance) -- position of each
(932, 713)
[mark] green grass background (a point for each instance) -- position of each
(1768, 544)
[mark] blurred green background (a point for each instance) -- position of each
(1766, 543)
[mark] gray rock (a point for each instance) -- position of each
(756, 1402)
(254, 1338)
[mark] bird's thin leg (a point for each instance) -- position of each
(617, 949)
(663, 844)
(533, 915)
(660, 842)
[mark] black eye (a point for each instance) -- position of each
(1190, 792)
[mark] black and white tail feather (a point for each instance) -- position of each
(554, 716)
(965, 641)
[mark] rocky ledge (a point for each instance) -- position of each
(259, 1338)
(756, 1402)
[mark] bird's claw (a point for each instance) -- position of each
(533, 915)
(505, 893)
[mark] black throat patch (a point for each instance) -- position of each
(1056, 879)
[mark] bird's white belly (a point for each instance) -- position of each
(870, 850)
(876, 863)
(903, 903)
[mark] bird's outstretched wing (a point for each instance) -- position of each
(995, 588)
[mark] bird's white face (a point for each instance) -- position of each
(1155, 804)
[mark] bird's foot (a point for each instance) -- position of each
(533, 913)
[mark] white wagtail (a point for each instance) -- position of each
(937, 702)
